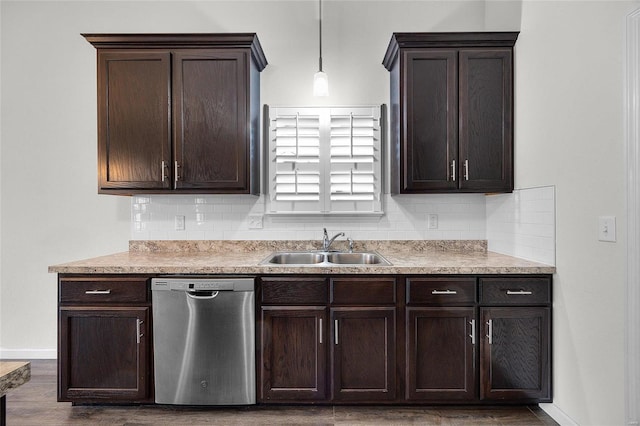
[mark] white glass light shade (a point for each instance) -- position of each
(320, 84)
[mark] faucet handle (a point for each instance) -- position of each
(325, 239)
(350, 245)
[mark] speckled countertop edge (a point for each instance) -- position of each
(13, 374)
(244, 257)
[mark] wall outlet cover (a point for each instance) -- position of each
(255, 221)
(432, 222)
(179, 223)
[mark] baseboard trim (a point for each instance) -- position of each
(558, 415)
(28, 353)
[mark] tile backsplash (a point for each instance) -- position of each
(240, 217)
(520, 224)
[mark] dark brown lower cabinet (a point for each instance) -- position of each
(293, 353)
(363, 353)
(434, 339)
(441, 354)
(103, 354)
(104, 339)
(515, 354)
(332, 339)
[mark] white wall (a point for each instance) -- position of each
(1, 237)
(568, 134)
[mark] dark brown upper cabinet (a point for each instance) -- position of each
(178, 113)
(451, 112)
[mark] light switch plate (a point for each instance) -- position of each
(607, 228)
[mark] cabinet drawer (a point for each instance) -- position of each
(515, 291)
(294, 291)
(90, 290)
(363, 291)
(441, 291)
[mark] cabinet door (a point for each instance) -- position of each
(515, 354)
(293, 360)
(210, 113)
(134, 122)
(441, 353)
(363, 354)
(429, 148)
(103, 354)
(486, 120)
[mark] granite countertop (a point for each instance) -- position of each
(244, 257)
(13, 374)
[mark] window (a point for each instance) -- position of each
(324, 160)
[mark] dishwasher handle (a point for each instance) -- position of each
(199, 296)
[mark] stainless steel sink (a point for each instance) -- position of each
(296, 258)
(325, 258)
(356, 259)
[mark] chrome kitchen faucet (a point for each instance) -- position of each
(326, 241)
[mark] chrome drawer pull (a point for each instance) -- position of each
(490, 333)
(336, 331)
(320, 330)
(444, 292)
(473, 331)
(139, 335)
(97, 292)
(519, 293)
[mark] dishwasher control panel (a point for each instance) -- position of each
(202, 284)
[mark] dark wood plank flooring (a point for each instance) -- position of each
(35, 404)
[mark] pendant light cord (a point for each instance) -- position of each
(320, 34)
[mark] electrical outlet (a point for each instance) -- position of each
(607, 228)
(255, 221)
(179, 223)
(432, 222)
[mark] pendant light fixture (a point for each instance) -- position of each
(320, 79)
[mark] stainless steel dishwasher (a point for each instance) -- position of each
(204, 340)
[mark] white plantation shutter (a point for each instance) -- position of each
(325, 160)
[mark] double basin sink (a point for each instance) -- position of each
(316, 258)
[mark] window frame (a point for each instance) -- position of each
(345, 151)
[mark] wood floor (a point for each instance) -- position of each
(35, 404)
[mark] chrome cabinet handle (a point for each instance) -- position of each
(320, 330)
(490, 335)
(472, 323)
(519, 293)
(336, 331)
(97, 292)
(164, 166)
(466, 169)
(444, 291)
(139, 335)
(453, 170)
(176, 176)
